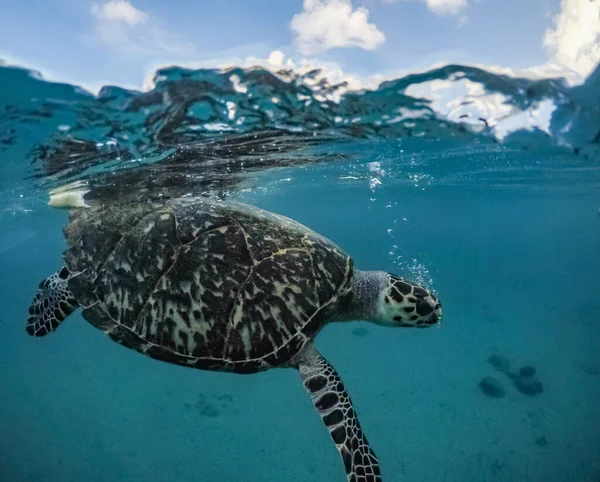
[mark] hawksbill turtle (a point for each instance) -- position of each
(225, 286)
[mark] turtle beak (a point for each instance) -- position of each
(434, 307)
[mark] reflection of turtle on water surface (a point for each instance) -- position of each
(226, 287)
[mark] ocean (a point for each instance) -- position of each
(499, 216)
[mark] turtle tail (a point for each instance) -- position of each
(52, 303)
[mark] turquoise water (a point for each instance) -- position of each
(507, 234)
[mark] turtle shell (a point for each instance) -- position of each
(206, 284)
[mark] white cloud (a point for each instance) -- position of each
(326, 24)
(119, 10)
(446, 7)
(574, 39)
(129, 30)
(440, 7)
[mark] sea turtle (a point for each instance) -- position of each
(225, 286)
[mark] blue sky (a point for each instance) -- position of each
(121, 42)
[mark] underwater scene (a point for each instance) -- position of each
(421, 255)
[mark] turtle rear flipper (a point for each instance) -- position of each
(331, 399)
(52, 303)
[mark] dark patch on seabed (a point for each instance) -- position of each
(525, 379)
(492, 387)
(210, 409)
(590, 367)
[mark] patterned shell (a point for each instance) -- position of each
(211, 285)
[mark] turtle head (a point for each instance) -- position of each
(389, 300)
(403, 303)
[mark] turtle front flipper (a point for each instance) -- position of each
(52, 303)
(332, 401)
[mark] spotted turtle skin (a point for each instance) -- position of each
(204, 283)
